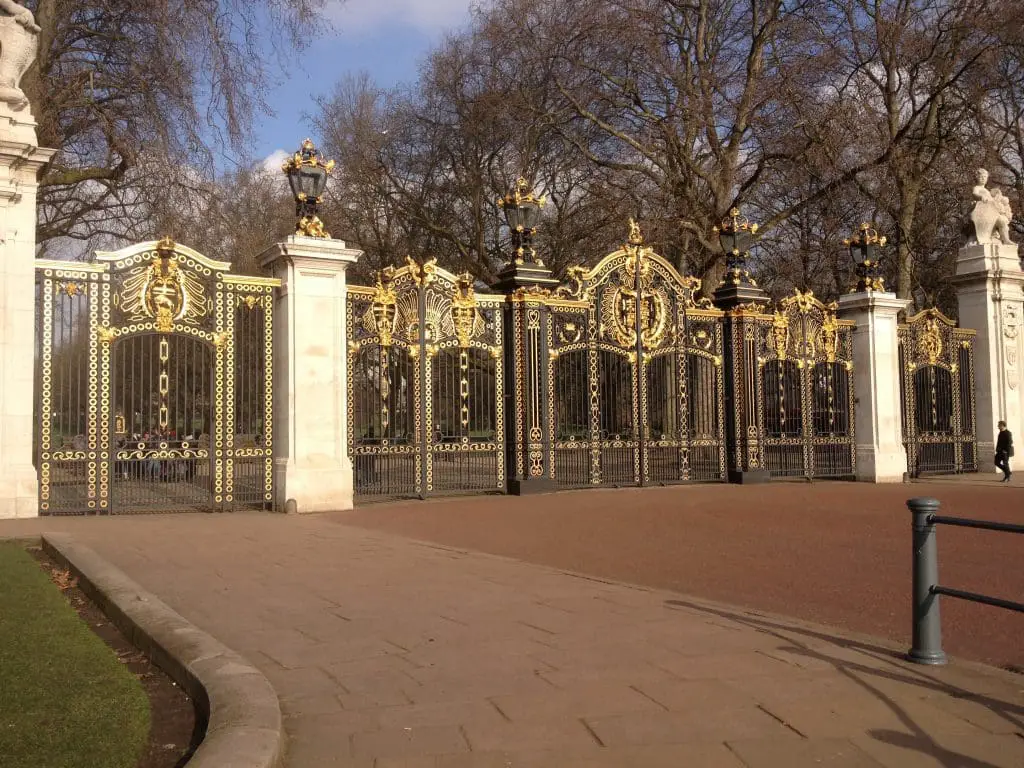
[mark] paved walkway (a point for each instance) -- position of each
(834, 553)
(389, 652)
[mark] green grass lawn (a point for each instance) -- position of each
(65, 699)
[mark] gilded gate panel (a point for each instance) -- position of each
(805, 418)
(633, 348)
(168, 380)
(425, 405)
(937, 393)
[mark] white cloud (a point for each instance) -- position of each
(362, 16)
(275, 160)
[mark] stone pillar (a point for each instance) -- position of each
(989, 294)
(881, 455)
(20, 163)
(312, 468)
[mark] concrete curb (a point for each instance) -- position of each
(240, 708)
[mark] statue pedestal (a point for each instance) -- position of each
(20, 163)
(313, 471)
(989, 294)
(881, 456)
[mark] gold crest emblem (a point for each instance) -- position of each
(163, 296)
(621, 311)
(163, 292)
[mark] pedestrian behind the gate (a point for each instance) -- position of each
(1004, 451)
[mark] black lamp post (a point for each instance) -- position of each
(867, 266)
(736, 236)
(307, 174)
(522, 211)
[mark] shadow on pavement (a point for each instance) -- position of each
(899, 671)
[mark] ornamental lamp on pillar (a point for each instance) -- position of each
(522, 212)
(875, 344)
(307, 173)
(743, 301)
(867, 265)
(527, 284)
(736, 236)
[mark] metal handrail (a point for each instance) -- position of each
(966, 522)
(926, 647)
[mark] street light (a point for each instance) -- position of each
(867, 266)
(307, 173)
(736, 236)
(522, 210)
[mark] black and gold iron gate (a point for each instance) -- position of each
(425, 389)
(937, 392)
(634, 375)
(154, 376)
(804, 377)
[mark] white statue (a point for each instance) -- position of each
(991, 215)
(19, 42)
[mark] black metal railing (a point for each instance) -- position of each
(926, 645)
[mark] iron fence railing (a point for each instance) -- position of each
(926, 646)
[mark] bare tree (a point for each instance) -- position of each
(913, 70)
(127, 88)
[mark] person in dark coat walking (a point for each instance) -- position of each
(1004, 450)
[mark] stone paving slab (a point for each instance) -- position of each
(389, 652)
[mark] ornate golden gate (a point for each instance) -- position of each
(634, 375)
(425, 388)
(154, 383)
(805, 414)
(937, 389)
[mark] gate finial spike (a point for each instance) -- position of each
(636, 237)
(165, 244)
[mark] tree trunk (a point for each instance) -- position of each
(904, 254)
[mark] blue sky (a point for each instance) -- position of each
(386, 38)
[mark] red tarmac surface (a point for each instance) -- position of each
(834, 553)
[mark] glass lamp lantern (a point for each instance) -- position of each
(864, 252)
(736, 237)
(307, 173)
(522, 213)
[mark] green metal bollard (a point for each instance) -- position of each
(926, 647)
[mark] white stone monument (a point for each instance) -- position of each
(20, 163)
(881, 456)
(313, 471)
(989, 294)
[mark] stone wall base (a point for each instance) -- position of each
(876, 466)
(19, 492)
(314, 488)
(987, 456)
